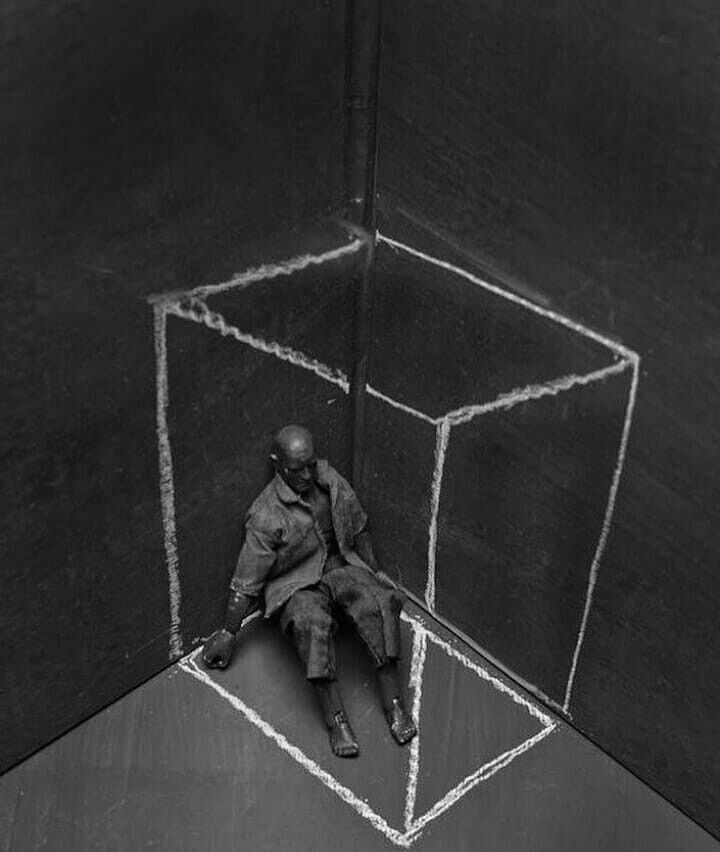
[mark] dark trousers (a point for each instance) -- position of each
(309, 618)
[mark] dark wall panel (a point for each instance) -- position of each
(144, 146)
(442, 342)
(226, 401)
(569, 150)
(535, 410)
(396, 493)
(523, 503)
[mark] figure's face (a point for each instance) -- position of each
(297, 466)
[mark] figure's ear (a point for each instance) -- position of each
(274, 458)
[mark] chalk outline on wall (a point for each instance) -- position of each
(628, 359)
(413, 825)
(171, 303)
(190, 305)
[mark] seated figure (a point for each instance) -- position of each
(308, 553)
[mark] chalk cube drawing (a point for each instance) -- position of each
(528, 431)
(452, 433)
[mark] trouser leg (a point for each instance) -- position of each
(307, 618)
(373, 609)
(308, 621)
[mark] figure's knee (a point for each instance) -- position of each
(379, 601)
(311, 627)
(309, 616)
(361, 585)
(395, 601)
(319, 624)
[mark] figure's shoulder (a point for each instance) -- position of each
(265, 507)
(345, 500)
(334, 479)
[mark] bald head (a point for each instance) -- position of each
(293, 456)
(292, 440)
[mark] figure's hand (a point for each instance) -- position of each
(218, 650)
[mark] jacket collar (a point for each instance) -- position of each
(323, 470)
(285, 492)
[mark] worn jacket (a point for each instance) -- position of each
(283, 551)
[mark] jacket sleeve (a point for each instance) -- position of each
(359, 518)
(354, 517)
(257, 556)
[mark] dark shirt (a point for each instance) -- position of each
(319, 502)
(287, 539)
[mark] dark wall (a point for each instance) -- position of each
(226, 401)
(144, 146)
(523, 485)
(569, 150)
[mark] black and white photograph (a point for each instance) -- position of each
(360, 426)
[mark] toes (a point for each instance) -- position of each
(405, 734)
(346, 751)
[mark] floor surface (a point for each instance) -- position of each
(202, 761)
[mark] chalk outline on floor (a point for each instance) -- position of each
(190, 305)
(413, 826)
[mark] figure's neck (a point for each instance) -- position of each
(315, 493)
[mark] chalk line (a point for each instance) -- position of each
(467, 413)
(605, 531)
(442, 438)
(608, 342)
(200, 313)
(401, 406)
(486, 771)
(263, 272)
(417, 670)
(164, 303)
(531, 392)
(167, 491)
(491, 679)
(397, 837)
(413, 827)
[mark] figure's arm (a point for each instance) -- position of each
(364, 549)
(361, 540)
(356, 521)
(257, 557)
(218, 650)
